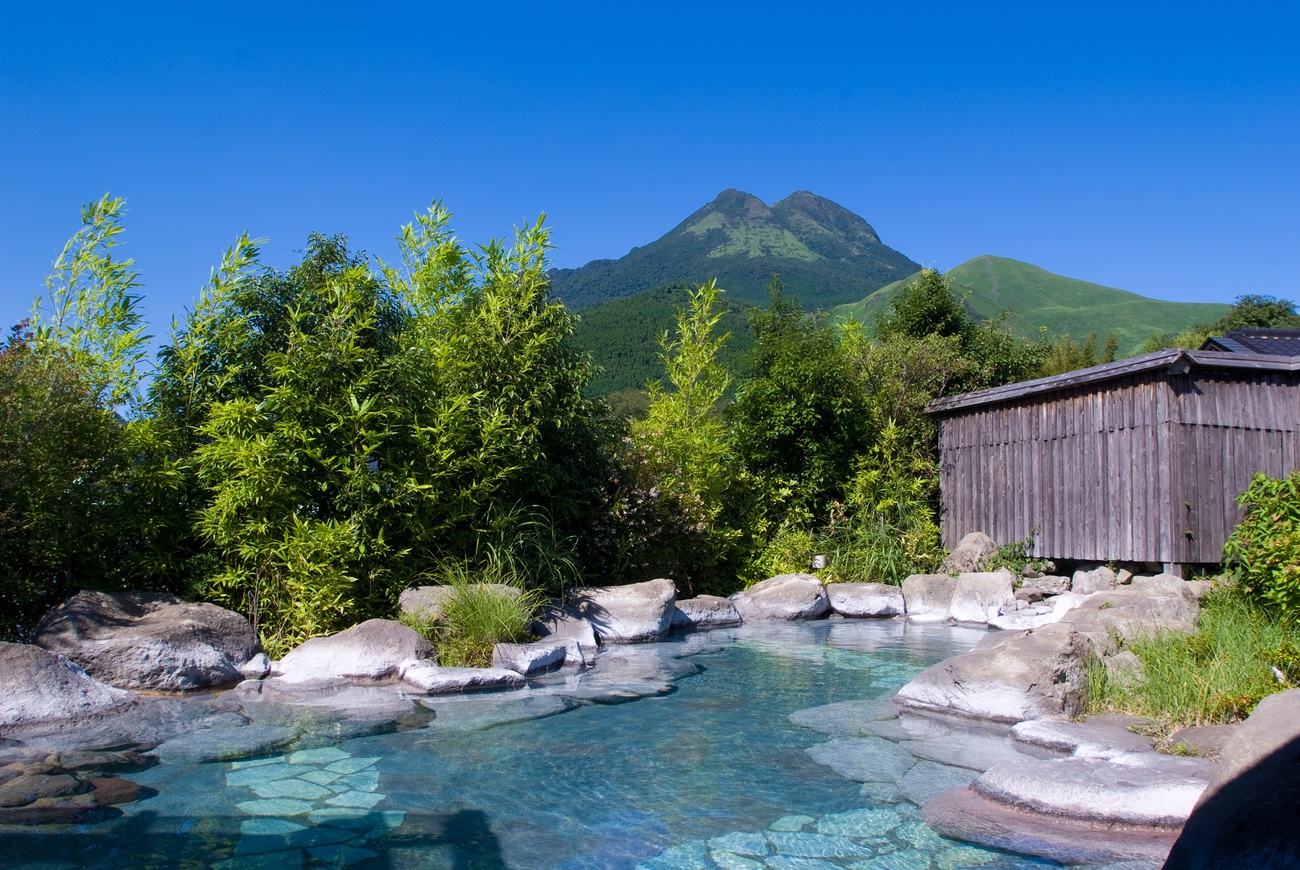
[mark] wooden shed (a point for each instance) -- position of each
(1139, 460)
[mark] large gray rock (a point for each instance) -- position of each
(1102, 736)
(426, 603)
(877, 600)
(39, 686)
(430, 679)
(627, 614)
(528, 658)
(564, 624)
(928, 597)
(1097, 580)
(1139, 788)
(1247, 815)
(149, 640)
(372, 652)
(1149, 606)
(783, 597)
(981, 596)
(1038, 673)
(706, 611)
(969, 554)
(1037, 588)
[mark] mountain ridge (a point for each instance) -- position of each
(825, 254)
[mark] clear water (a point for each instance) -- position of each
(711, 774)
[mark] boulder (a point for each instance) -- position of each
(981, 596)
(1041, 672)
(1246, 817)
(38, 686)
(928, 597)
(425, 603)
(1148, 606)
(1097, 580)
(866, 599)
(149, 640)
(969, 554)
(256, 668)
(564, 624)
(1044, 586)
(626, 614)
(426, 677)
(783, 597)
(1140, 788)
(371, 652)
(706, 611)
(1102, 736)
(528, 658)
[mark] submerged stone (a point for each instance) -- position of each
(863, 759)
(807, 845)
(741, 842)
(859, 823)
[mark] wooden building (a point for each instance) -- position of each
(1139, 460)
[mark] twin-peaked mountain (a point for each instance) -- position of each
(825, 254)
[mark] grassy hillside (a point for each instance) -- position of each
(1040, 298)
(623, 336)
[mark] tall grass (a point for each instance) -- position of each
(1216, 675)
(478, 614)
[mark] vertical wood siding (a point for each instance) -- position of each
(1145, 468)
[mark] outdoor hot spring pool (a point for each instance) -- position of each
(712, 773)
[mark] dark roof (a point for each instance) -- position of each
(1176, 360)
(1275, 342)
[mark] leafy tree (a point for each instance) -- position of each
(926, 306)
(1255, 311)
(90, 310)
(800, 419)
(65, 473)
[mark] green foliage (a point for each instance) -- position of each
(1013, 556)
(926, 306)
(889, 529)
(1263, 551)
(1066, 355)
(478, 614)
(1254, 311)
(1216, 675)
(337, 430)
(676, 459)
(90, 311)
(800, 419)
(66, 479)
(622, 337)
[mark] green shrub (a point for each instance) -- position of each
(1263, 552)
(478, 614)
(1216, 675)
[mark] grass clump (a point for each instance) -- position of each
(1240, 654)
(486, 606)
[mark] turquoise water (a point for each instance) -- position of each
(710, 774)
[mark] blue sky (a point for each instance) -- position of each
(1150, 150)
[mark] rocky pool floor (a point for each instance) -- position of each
(744, 763)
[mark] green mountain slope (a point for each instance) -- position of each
(825, 254)
(991, 285)
(623, 336)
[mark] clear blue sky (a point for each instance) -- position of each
(1150, 150)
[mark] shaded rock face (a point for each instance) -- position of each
(706, 611)
(371, 652)
(1038, 588)
(564, 624)
(876, 600)
(147, 640)
(37, 686)
(928, 597)
(783, 597)
(1247, 815)
(969, 554)
(1038, 673)
(981, 596)
(626, 614)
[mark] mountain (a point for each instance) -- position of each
(825, 255)
(623, 336)
(991, 285)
